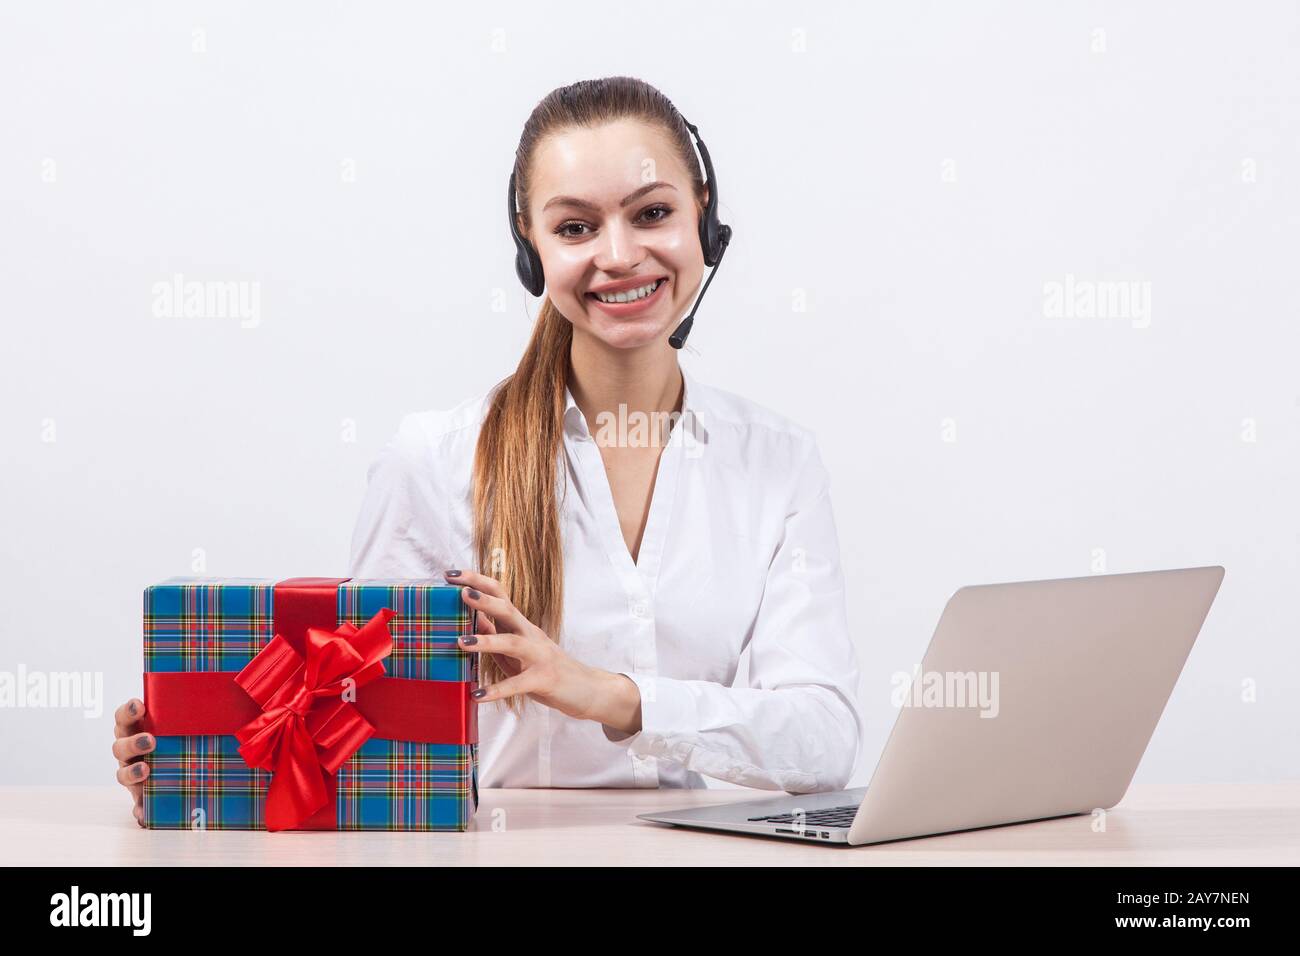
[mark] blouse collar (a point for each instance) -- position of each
(692, 414)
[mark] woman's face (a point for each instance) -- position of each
(613, 211)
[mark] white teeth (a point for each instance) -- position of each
(630, 295)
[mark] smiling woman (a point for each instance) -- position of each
(567, 228)
(714, 236)
(632, 225)
(621, 578)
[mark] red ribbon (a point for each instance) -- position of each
(293, 707)
(306, 729)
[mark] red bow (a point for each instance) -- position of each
(307, 730)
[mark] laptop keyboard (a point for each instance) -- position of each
(830, 817)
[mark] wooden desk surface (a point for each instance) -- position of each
(1155, 825)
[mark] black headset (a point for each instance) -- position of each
(714, 237)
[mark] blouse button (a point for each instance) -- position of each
(639, 609)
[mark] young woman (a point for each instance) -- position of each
(635, 529)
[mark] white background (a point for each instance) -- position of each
(915, 172)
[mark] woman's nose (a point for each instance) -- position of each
(620, 249)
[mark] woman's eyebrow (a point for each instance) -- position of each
(584, 204)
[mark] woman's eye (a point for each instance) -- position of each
(564, 229)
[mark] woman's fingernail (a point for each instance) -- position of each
(144, 743)
(477, 694)
(473, 594)
(138, 772)
(469, 639)
(131, 707)
(453, 574)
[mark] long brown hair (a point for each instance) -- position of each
(517, 536)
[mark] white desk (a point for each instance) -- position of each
(1155, 825)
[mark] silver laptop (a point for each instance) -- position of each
(1034, 700)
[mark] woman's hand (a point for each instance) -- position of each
(129, 747)
(536, 665)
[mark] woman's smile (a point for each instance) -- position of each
(630, 300)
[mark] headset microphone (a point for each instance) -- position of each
(714, 237)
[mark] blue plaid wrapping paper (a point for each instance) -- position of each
(220, 624)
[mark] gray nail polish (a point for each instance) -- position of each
(138, 771)
(144, 743)
(470, 639)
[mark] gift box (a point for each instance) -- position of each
(309, 704)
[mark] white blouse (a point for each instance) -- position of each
(739, 551)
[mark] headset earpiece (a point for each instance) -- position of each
(528, 264)
(714, 236)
